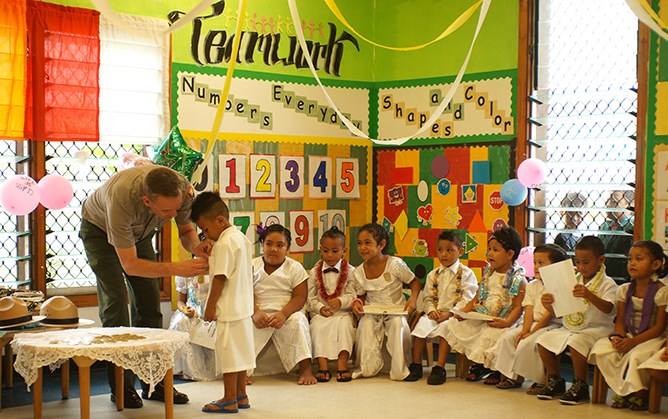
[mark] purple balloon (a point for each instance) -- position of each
(55, 192)
(440, 167)
(19, 195)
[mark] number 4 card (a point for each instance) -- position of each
(320, 177)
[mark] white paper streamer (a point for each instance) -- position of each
(437, 112)
(645, 18)
(105, 9)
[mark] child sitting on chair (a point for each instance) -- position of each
(452, 285)
(580, 330)
(192, 292)
(499, 295)
(380, 280)
(517, 354)
(639, 327)
(331, 294)
(280, 289)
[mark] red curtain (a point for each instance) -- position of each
(63, 65)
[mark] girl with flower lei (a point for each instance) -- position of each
(499, 295)
(330, 297)
(639, 327)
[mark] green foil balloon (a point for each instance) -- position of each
(174, 153)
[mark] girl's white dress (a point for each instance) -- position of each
(580, 331)
(455, 286)
(655, 362)
(334, 334)
(272, 293)
(621, 370)
(372, 328)
(524, 359)
(198, 363)
(474, 338)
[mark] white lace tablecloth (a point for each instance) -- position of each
(149, 353)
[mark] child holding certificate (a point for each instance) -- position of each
(499, 295)
(452, 285)
(639, 327)
(580, 330)
(330, 296)
(379, 281)
(517, 355)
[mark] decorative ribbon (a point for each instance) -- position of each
(437, 112)
(220, 112)
(104, 8)
(648, 16)
(463, 18)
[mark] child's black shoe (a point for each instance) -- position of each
(437, 376)
(415, 372)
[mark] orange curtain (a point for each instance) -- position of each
(12, 68)
(63, 65)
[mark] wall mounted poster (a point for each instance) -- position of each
(305, 185)
(422, 191)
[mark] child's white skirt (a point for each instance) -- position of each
(332, 335)
(428, 328)
(234, 346)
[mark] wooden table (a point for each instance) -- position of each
(149, 353)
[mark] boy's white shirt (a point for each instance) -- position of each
(231, 256)
(447, 278)
(535, 290)
(330, 279)
(595, 317)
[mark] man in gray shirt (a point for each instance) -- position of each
(118, 223)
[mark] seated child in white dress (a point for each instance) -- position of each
(639, 327)
(657, 365)
(331, 291)
(517, 354)
(192, 293)
(499, 295)
(230, 302)
(579, 331)
(281, 289)
(452, 285)
(379, 281)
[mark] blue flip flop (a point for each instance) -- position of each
(243, 406)
(221, 407)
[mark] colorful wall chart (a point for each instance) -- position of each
(307, 187)
(422, 191)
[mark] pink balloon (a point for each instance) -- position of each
(55, 192)
(20, 194)
(525, 260)
(532, 172)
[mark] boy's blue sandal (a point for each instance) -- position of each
(243, 406)
(221, 407)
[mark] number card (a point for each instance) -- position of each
(232, 176)
(347, 179)
(262, 176)
(206, 182)
(330, 218)
(268, 218)
(301, 226)
(245, 222)
(292, 177)
(320, 177)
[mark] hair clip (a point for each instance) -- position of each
(260, 230)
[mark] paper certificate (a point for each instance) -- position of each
(390, 309)
(204, 334)
(559, 279)
(472, 315)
